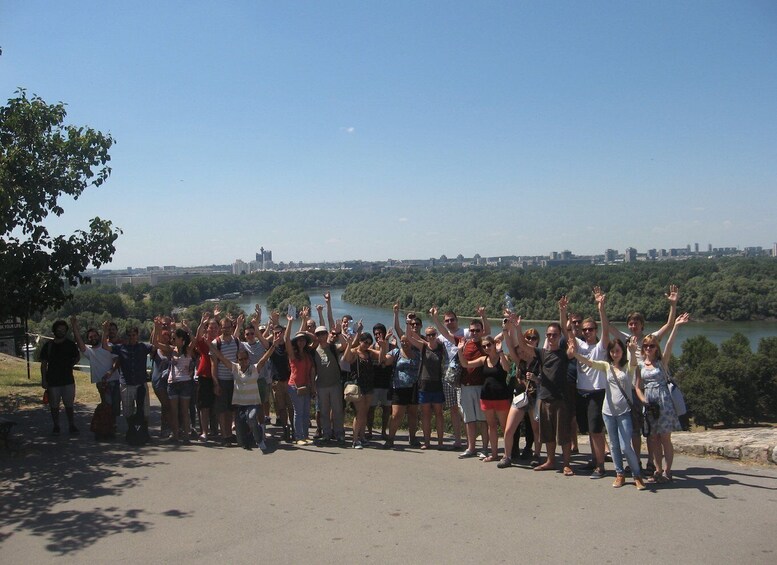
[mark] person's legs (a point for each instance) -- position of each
(412, 422)
(439, 422)
(325, 403)
(625, 434)
(397, 414)
(426, 422)
(611, 422)
(253, 417)
(514, 417)
(165, 425)
(452, 404)
(298, 404)
(493, 433)
(668, 449)
(172, 416)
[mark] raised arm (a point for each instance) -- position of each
(467, 364)
(397, 329)
(266, 357)
(601, 298)
(525, 351)
(239, 323)
(433, 312)
(681, 319)
(77, 333)
(287, 333)
(320, 310)
(329, 316)
(672, 296)
(106, 344)
(484, 320)
(563, 318)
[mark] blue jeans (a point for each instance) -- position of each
(619, 430)
(301, 403)
(245, 421)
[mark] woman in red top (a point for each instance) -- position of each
(300, 381)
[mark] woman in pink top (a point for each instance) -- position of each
(300, 381)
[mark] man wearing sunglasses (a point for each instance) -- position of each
(591, 385)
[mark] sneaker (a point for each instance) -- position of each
(620, 480)
(481, 455)
(597, 474)
(389, 444)
(73, 431)
(55, 430)
(263, 446)
(504, 463)
(639, 483)
(357, 445)
(590, 466)
(608, 456)
(467, 454)
(203, 438)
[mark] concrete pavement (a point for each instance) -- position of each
(72, 499)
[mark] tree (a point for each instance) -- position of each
(41, 160)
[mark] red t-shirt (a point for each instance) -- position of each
(473, 376)
(203, 365)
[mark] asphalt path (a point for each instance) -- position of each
(75, 500)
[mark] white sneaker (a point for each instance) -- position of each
(357, 445)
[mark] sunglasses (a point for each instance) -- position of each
(488, 345)
(475, 330)
(648, 346)
(431, 334)
(450, 320)
(589, 329)
(532, 338)
(551, 336)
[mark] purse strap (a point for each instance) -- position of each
(623, 392)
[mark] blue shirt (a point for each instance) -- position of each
(132, 359)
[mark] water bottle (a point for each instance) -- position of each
(509, 302)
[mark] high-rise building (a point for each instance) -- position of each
(630, 255)
(239, 267)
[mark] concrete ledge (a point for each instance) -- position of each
(749, 445)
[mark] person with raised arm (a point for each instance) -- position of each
(406, 360)
(528, 375)
(554, 419)
(592, 384)
(223, 382)
(495, 394)
(636, 325)
(301, 385)
(102, 368)
(431, 398)
(616, 409)
(451, 392)
(203, 376)
(245, 396)
(132, 355)
(180, 379)
(472, 382)
(661, 416)
(362, 357)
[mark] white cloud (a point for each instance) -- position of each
(348, 129)
(727, 224)
(403, 220)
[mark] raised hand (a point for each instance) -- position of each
(683, 318)
(319, 308)
(563, 302)
(599, 296)
(327, 296)
(216, 311)
(205, 318)
(395, 307)
(633, 344)
(433, 311)
(359, 327)
(673, 295)
(481, 311)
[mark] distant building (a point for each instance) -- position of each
(774, 250)
(610, 255)
(630, 255)
(696, 247)
(239, 267)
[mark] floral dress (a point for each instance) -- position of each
(654, 379)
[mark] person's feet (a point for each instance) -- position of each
(467, 454)
(619, 481)
(504, 463)
(639, 483)
(568, 472)
(547, 466)
(598, 473)
(489, 459)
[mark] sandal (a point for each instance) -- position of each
(568, 472)
(489, 459)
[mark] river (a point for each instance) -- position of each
(716, 332)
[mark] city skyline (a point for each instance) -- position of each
(331, 132)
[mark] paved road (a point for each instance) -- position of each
(75, 500)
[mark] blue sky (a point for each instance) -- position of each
(345, 130)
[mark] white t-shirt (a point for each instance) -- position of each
(100, 362)
(589, 378)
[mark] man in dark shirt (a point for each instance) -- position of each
(132, 358)
(56, 370)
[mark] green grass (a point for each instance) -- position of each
(17, 392)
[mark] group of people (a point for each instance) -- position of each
(217, 381)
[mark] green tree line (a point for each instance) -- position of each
(736, 289)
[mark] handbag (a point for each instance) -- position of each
(521, 400)
(678, 400)
(352, 392)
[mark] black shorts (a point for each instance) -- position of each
(205, 396)
(589, 411)
(404, 396)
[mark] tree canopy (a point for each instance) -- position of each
(42, 160)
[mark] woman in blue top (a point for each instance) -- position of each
(404, 390)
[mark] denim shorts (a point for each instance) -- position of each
(180, 389)
(431, 397)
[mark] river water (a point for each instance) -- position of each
(716, 332)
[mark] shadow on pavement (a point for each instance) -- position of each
(702, 478)
(38, 484)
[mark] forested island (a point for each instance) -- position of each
(720, 290)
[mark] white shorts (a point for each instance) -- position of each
(128, 396)
(469, 401)
(66, 394)
(380, 397)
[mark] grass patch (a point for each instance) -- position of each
(17, 392)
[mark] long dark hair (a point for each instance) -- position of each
(184, 335)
